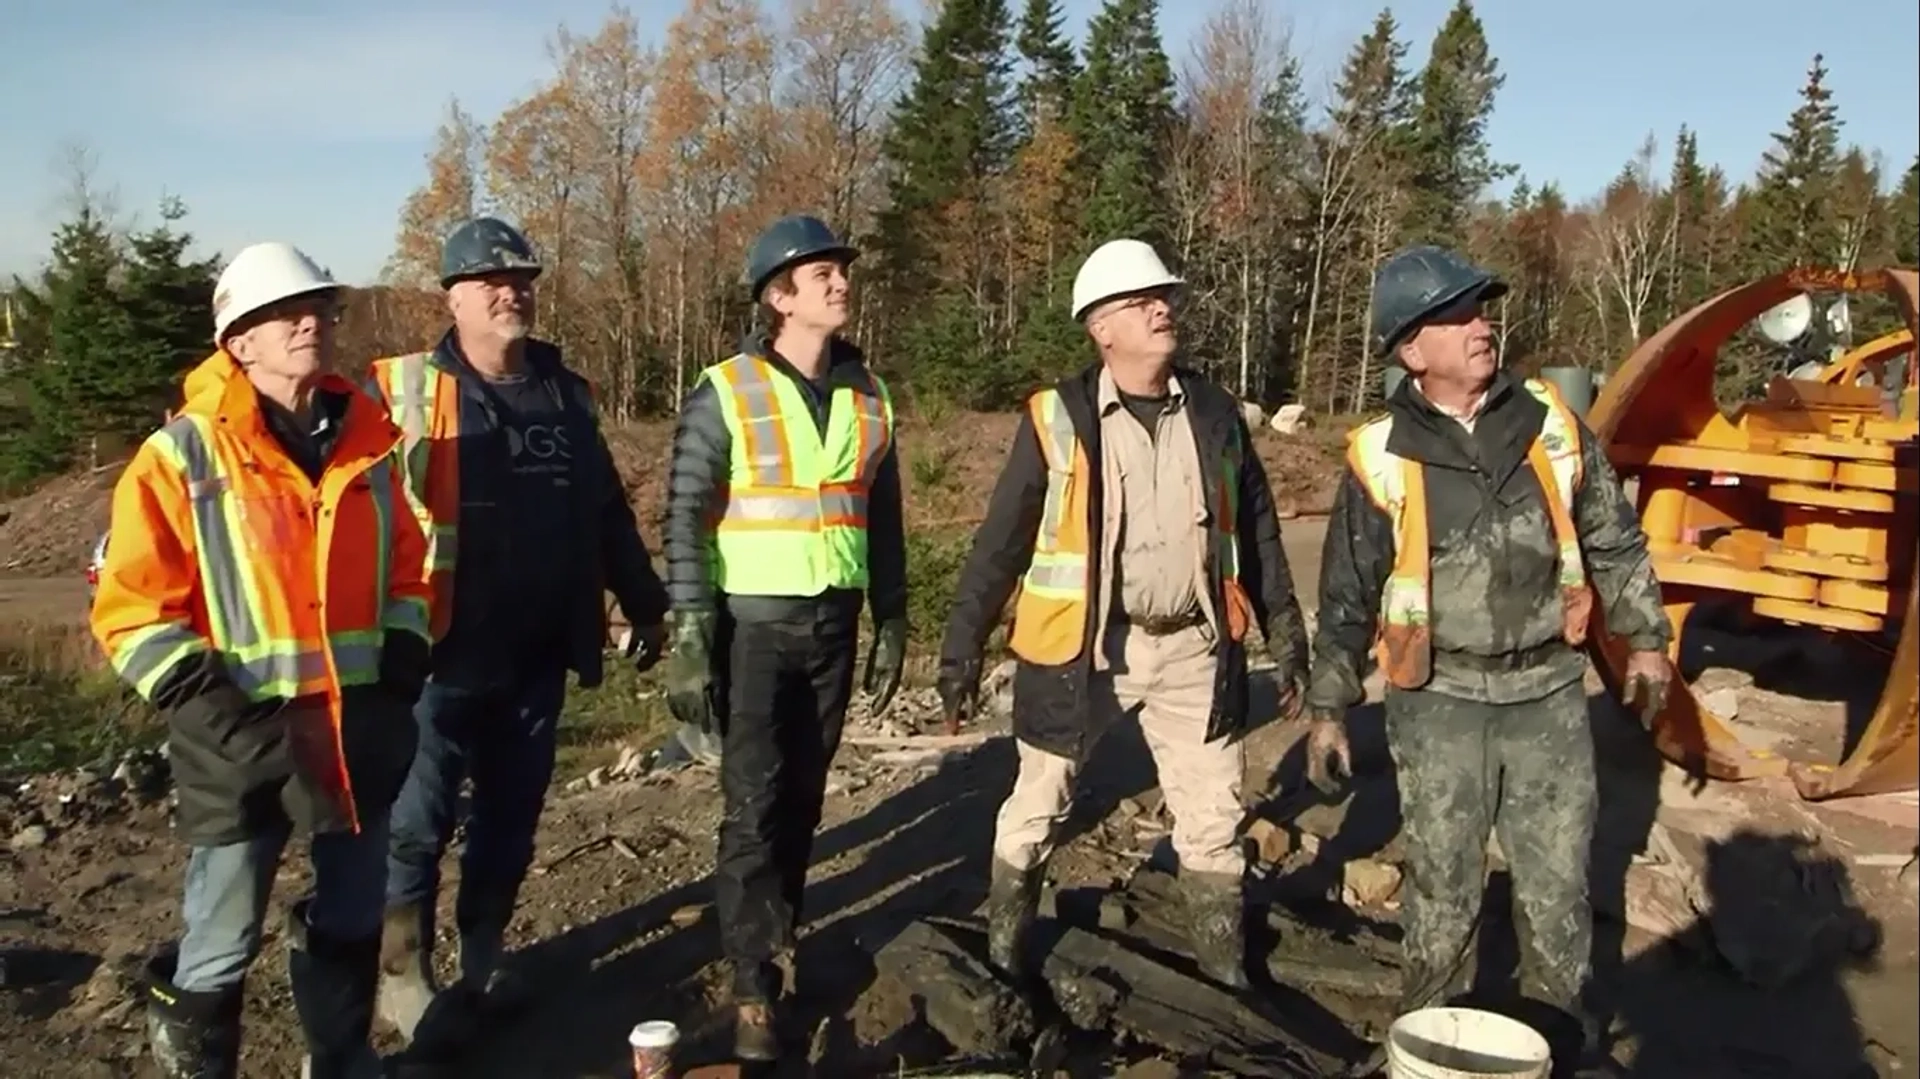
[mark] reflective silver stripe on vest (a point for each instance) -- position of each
(1056, 444)
(800, 508)
(762, 417)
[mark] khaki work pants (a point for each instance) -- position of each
(1168, 681)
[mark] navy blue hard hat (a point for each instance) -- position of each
(1419, 282)
(787, 241)
(485, 245)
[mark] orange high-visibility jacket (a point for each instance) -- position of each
(221, 544)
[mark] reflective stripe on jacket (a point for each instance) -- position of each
(425, 402)
(1397, 485)
(1050, 619)
(793, 518)
(222, 545)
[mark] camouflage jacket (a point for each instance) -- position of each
(1497, 632)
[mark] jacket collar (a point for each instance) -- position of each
(1107, 394)
(543, 357)
(846, 363)
(217, 390)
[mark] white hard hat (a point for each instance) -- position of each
(1116, 268)
(263, 274)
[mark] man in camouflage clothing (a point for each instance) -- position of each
(1477, 520)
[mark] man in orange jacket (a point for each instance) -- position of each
(264, 592)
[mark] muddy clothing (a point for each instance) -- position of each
(1054, 704)
(1526, 771)
(1168, 682)
(783, 666)
(1497, 630)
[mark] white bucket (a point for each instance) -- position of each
(1464, 1043)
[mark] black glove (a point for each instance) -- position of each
(405, 662)
(689, 670)
(885, 663)
(959, 688)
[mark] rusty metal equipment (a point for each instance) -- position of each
(1803, 504)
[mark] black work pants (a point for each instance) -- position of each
(1524, 770)
(787, 677)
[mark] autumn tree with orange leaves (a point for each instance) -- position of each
(978, 156)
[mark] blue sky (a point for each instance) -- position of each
(310, 124)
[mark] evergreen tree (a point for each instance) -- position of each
(1791, 219)
(169, 297)
(1452, 161)
(91, 341)
(1372, 97)
(950, 135)
(1123, 116)
(1905, 217)
(1046, 90)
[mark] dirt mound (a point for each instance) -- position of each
(1303, 469)
(51, 531)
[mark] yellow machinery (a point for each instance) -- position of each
(1803, 503)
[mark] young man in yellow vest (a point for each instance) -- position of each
(528, 527)
(264, 592)
(783, 518)
(1476, 523)
(1135, 519)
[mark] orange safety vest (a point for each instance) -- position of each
(425, 402)
(1051, 615)
(222, 545)
(1404, 640)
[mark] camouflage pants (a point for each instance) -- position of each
(1524, 770)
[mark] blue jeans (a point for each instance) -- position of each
(228, 888)
(503, 738)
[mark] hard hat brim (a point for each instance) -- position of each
(840, 253)
(1485, 290)
(1171, 281)
(221, 330)
(533, 270)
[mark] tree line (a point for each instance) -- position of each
(978, 158)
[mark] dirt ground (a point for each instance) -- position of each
(1719, 973)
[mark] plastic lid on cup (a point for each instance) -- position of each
(654, 1034)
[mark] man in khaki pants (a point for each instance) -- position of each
(1136, 521)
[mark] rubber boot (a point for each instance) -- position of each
(1218, 926)
(334, 984)
(756, 1035)
(193, 1035)
(406, 969)
(1013, 900)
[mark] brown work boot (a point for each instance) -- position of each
(754, 1035)
(1013, 900)
(1218, 926)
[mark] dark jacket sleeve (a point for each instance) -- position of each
(1266, 575)
(1002, 550)
(1615, 548)
(887, 542)
(1353, 569)
(628, 568)
(701, 447)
